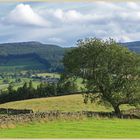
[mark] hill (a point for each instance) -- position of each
(64, 103)
(133, 46)
(68, 103)
(30, 55)
(37, 56)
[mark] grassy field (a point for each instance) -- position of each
(88, 128)
(62, 103)
(56, 75)
(81, 128)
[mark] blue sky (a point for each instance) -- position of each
(65, 23)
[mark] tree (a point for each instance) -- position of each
(30, 85)
(31, 90)
(10, 89)
(109, 70)
(66, 86)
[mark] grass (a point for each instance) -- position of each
(63, 103)
(88, 128)
(3, 86)
(83, 128)
(56, 75)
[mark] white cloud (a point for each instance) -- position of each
(132, 5)
(65, 25)
(23, 14)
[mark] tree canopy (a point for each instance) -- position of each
(109, 70)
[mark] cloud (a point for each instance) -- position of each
(73, 16)
(65, 23)
(23, 14)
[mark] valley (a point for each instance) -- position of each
(32, 78)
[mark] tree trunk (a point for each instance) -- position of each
(117, 110)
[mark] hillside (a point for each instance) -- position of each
(30, 55)
(37, 56)
(63, 103)
(67, 103)
(134, 46)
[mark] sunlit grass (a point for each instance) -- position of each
(63, 103)
(88, 128)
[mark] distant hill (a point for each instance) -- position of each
(30, 55)
(37, 56)
(133, 46)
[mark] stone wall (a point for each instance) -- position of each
(53, 115)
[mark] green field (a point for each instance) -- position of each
(88, 128)
(56, 75)
(80, 128)
(62, 103)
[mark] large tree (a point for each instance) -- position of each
(109, 70)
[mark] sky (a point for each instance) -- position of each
(66, 22)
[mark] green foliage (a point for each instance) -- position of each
(110, 71)
(66, 86)
(10, 88)
(28, 91)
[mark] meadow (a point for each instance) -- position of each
(88, 128)
(67, 128)
(68, 103)
(62, 103)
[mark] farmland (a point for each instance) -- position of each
(67, 103)
(88, 128)
(65, 128)
(56, 107)
(62, 103)
(10, 79)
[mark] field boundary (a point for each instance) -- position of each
(56, 115)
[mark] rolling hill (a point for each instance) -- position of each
(37, 56)
(67, 103)
(133, 46)
(30, 55)
(62, 103)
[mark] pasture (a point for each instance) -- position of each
(56, 75)
(68, 103)
(63, 103)
(69, 128)
(88, 128)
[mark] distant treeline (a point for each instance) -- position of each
(27, 91)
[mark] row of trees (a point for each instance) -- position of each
(27, 91)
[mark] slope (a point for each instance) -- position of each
(49, 56)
